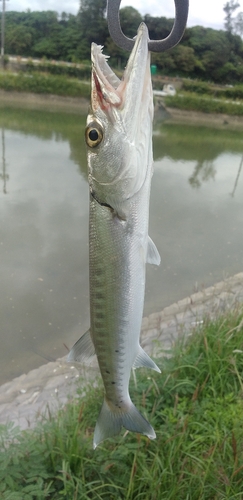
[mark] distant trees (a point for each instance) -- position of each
(203, 52)
(38, 34)
(229, 9)
(233, 24)
(91, 21)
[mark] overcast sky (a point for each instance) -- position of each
(207, 13)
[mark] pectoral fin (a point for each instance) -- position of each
(143, 359)
(83, 349)
(153, 256)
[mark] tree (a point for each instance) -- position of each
(159, 27)
(130, 20)
(205, 53)
(238, 24)
(92, 21)
(212, 50)
(229, 9)
(184, 58)
(18, 40)
(164, 61)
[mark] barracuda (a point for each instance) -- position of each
(119, 144)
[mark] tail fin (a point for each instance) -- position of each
(110, 422)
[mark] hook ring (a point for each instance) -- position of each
(117, 35)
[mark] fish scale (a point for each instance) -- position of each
(119, 141)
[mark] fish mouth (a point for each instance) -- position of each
(123, 109)
(108, 91)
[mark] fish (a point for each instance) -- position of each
(120, 164)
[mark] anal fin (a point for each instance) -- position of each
(143, 359)
(82, 350)
(153, 256)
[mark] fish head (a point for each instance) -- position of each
(119, 125)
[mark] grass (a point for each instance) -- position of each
(196, 96)
(44, 84)
(196, 408)
(200, 87)
(204, 103)
(81, 71)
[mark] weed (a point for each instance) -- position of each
(192, 102)
(196, 408)
(44, 84)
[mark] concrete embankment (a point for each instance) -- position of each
(27, 396)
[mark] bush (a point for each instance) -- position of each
(204, 104)
(44, 84)
(201, 88)
(78, 71)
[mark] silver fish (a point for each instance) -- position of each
(119, 141)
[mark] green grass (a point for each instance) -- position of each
(82, 71)
(200, 87)
(196, 408)
(194, 102)
(44, 84)
(196, 96)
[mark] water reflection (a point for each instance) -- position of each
(237, 177)
(195, 143)
(43, 231)
(49, 126)
(198, 231)
(44, 293)
(4, 176)
(203, 171)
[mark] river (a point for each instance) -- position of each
(196, 221)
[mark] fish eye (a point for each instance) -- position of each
(93, 134)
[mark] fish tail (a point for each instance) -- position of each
(111, 421)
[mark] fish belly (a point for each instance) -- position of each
(117, 283)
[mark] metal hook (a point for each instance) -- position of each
(181, 8)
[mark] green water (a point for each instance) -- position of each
(196, 221)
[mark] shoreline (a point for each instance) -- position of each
(48, 387)
(216, 120)
(46, 102)
(79, 105)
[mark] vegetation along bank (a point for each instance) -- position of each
(205, 61)
(195, 405)
(204, 53)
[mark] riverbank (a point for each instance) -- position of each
(216, 120)
(26, 397)
(80, 105)
(44, 102)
